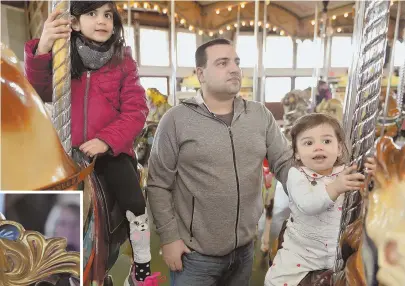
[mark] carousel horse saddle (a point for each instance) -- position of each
(321, 277)
(115, 219)
(28, 136)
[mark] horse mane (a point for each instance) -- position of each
(390, 162)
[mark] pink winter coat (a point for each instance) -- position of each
(116, 105)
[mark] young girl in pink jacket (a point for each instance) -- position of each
(108, 106)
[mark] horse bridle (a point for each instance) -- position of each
(71, 181)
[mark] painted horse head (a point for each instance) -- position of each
(385, 218)
(32, 154)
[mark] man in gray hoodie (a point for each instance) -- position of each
(205, 174)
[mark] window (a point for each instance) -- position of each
(399, 57)
(279, 52)
(129, 35)
(246, 50)
(186, 46)
(341, 53)
(304, 82)
(308, 54)
(154, 47)
(276, 88)
(160, 83)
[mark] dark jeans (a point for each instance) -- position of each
(234, 269)
(121, 178)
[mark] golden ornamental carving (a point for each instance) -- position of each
(27, 257)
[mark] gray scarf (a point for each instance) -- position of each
(93, 56)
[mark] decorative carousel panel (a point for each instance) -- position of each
(28, 258)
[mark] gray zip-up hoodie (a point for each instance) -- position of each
(205, 178)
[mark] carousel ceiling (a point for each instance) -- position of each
(292, 18)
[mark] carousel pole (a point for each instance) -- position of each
(256, 94)
(322, 47)
(61, 81)
(129, 18)
(391, 68)
(237, 27)
(326, 62)
(362, 96)
(263, 70)
(317, 61)
(173, 55)
(401, 85)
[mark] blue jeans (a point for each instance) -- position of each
(233, 269)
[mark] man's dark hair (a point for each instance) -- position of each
(201, 55)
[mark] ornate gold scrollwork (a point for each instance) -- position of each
(27, 257)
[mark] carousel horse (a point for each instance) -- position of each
(27, 258)
(371, 246)
(391, 125)
(332, 107)
(33, 158)
(157, 104)
(384, 223)
(295, 104)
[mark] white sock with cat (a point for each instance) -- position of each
(140, 242)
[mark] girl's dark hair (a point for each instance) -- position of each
(313, 120)
(78, 8)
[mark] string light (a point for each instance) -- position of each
(217, 11)
(346, 15)
(334, 17)
(313, 22)
(183, 21)
(339, 30)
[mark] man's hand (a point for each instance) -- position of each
(172, 253)
(93, 147)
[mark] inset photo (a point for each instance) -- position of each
(40, 238)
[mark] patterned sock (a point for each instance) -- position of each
(142, 270)
(140, 242)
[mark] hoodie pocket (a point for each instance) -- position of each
(192, 218)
